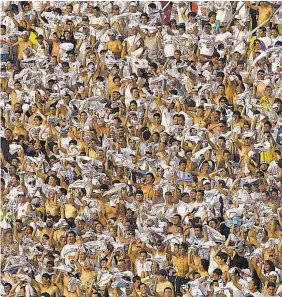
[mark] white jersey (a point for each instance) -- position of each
(4, 47)
(169, 46)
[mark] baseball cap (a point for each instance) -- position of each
(206, 182)
(133, 4)
(21, 194)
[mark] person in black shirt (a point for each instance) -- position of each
(5, 143)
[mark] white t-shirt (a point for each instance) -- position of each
(68, 252)
(206, 44)
(223, 36)
(65, 142)
(169, 46)
(51, 17)
(10, 26)
(4, 48)
(223, 11)
(101, 20)
(243, 13)
(236, 291)
(240, 36)
(142, 267)
(266, 40)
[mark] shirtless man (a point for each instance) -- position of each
(83, 265)
(161, 284)
(113, 210)
(176, 222)
(244, 147)
(46, 286)
(114, 45)
(221, 259)
(49, 226)
(70, 209)
(156, 125)
(265, 11)
(200, 116)
(219, 148)
(23, 44)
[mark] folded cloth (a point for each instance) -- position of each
(15, 148)
(214, 235)
(234, 212)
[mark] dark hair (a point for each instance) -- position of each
(205, 263)
(263, 29)
(72, 232)
(145, 15)
(198, 226)
(46, 236)
(271, 284)
(223, 256)
(184, 245)
(270, 263)
(218, 272)
(47, 275)
(168, 288)
(152, 5)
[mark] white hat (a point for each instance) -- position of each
(132, 4)
(21, 194)
(152, 29)
(275, 105)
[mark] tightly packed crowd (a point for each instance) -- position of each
(141, 149)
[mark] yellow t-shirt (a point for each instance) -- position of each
(263, 102)
(266, 156)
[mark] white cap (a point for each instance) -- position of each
(152, 29)
(132, 4)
